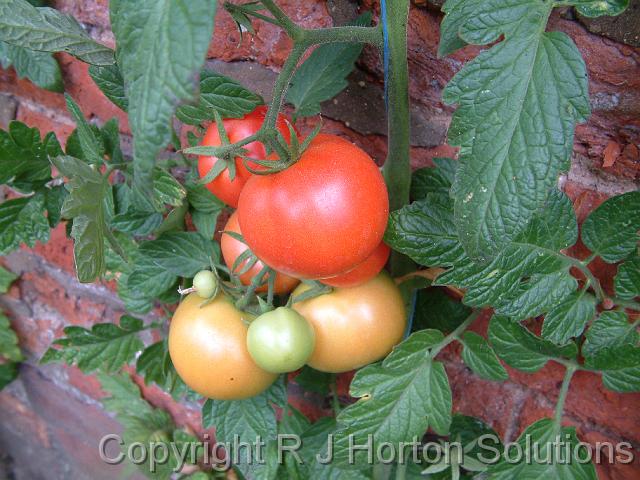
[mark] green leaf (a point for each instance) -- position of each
(135, 301)
(543, 436)
(6, 279)
(598, 8)
(218, 94)
(624, 380)
(106, 346)
(181, 253)
(249, 419)
(314, 380)
(39, 67)
(9, 347)
(85, 204)
(518, 104)
(91, 148)
(611, 230)
(148, 278)
(168, 190)
(612, 342)
(435, 309)
(22, 221)
(161, 46)
(24, 157)
(425, 231)
(481, 358)
(521, 349)
(569, 318)
(529, 276)
(399, 398)
(136, 222)
(627, 281)
(8, 373)
(54, 198)
(48, 30)
(433, 180)
(155, 365)
(109, 80)
(202, 199)
(323, 74)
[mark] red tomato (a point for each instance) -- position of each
(321, 216)
(232, 249)
(237, 129)
(363, 272)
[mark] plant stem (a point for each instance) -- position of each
(630, 304)
(115, 245)
(571, 370)
(455, 335)
(401, 471)
(293, 30)
(397, 169)
(582, 266)
(352, 34)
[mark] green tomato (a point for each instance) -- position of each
(281, 340)
(205, 283)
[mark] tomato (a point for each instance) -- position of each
(320, 217)
(354, 326)
(363, 272)
(208, 347)
(222, 186)
(205, 283)
(281, 340)
(232, 249)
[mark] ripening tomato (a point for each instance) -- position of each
(363, 272)
(232, 249)
(354, 326)
(320, 217)
(237, 129)
(208, 348)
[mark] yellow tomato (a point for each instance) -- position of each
(208, 347)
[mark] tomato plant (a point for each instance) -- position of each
(396, 266)
(229, 182)
(320, 217)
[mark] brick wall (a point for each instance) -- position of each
(51, 416)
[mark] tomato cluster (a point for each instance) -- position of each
(322, 219)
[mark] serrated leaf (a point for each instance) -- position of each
(481, 358)
(92, 149)
(155, 365)
(168, 190)
(323, 74)
(136, 222)
(425, 232)
(433, 180)
(435, 309)
(627, 280)
(518, 104)
(530, 275)
(611, 230)
(541, 439)
(135, 301)
(106, 346)
(54, 198)
(48, 30)
(22, 221)
(85, 204)
(148, 278)
(24, 157)
(249, 419)
(9, 348)
(523, 350)
(202, 199)
(218, 94)
(612, 342)
(181, 253)
(109, 80)
(39, 67)
(598, 8)
(569, 318)
(625, 380)
(161, 46)
(314, 380)
(205, 223)
(7, 277)
(399, 398)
